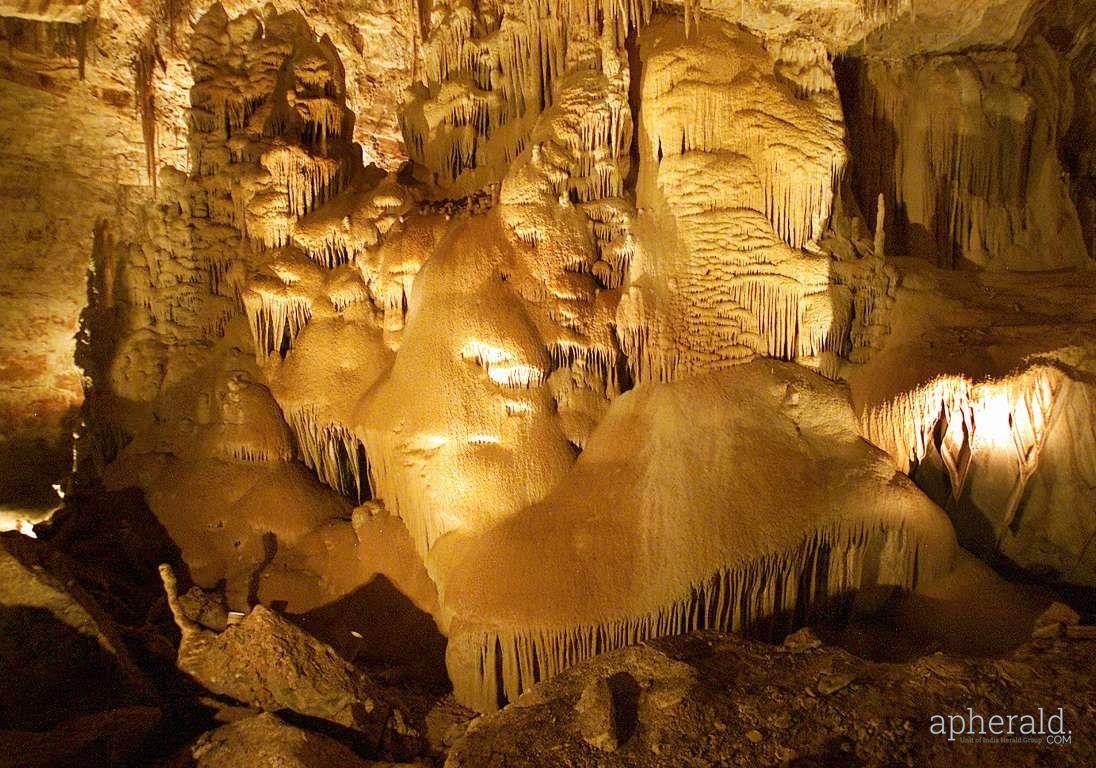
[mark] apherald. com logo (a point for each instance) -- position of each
(971, 727)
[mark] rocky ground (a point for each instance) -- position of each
(720, 700)
(108, 658)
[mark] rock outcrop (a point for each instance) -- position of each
(712, 699)
(266, 662)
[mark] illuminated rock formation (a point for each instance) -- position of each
(991, 410)
(636, 543)
(965, 149)
(738, 165)
(571, 323)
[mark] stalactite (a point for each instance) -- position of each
(881, 11)
(741, 150)
(751, 314)
(255, 454)
(275, 321)
(67, 38)
(82, 32)
(956, 167)
(482, 84)
(333, 452)
(1010, 414)
(309, 180)
(172, 11)
(603, 363)
(692, 12)
(145, 63)
(831, 564)
(615, 243)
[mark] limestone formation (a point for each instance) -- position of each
(469, 341)
(264, 741)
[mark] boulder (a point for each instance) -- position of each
(265, 741)
(267, 662)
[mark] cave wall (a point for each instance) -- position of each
(98, 96)
(95, 99)
(72, 156)
(966, 149)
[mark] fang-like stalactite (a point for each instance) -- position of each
(275, 321)
(144, 74)
(334, 453)
(829, 566)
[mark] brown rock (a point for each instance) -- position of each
(1081, 632)
(267, 662)
(207, 609)
(264, 741)
(103, 738)
(756, 691)
(833, 683)
(1057, 613)
(60, 655)
(1047, 631)
(597, 716)
(802, 640)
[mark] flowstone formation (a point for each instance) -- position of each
(642, 545)
(558, 326)
(739, 154)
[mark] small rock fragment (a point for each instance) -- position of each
(1058, 613)
(1081, 632)
(264, 741)
(446, 722)
(1047, 631)
(834, 683)
(205, 608)
(802, 640)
